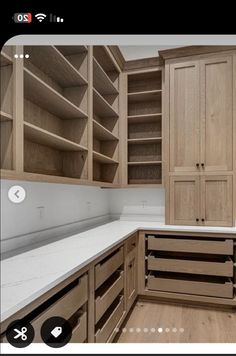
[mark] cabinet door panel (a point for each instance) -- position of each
(184, 117)
(217, 114)
(216, 200)
(184, 200)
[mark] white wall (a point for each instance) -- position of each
(47, 206)
(137, 203)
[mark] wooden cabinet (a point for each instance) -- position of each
(131, 271)
(216, 200)
(184, 116)
(184, 200)
(201, 115)
(216, 105)
(205, 200)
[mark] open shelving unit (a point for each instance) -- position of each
(6, 113)
(56, 111)
(144, 128)
(105, 117)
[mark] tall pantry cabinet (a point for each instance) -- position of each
(200, 114)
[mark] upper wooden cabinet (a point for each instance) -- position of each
(201, 115)
(216, 78)
(184, 116)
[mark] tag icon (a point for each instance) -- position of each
(57, 331)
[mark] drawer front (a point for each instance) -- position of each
(225, 247)
(106, 269)
(224, 290)
(103, 302)
(65, 307)
(224, 269)
(131, 243)
(79, 333)
(102, 335)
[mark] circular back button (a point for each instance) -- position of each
(56, 332)
(20, 334)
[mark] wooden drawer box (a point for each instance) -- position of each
(79, 333)
(225, 247)
(106, 268)
(209, 287)
(64, 307)
(131, 243)
(103, 333)
(223, 268)
(107, 297)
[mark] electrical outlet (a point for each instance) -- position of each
(143, 202)
(41, 210)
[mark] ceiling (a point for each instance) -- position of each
(138, 52)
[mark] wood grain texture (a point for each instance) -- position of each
(192, 50)
(197, 325)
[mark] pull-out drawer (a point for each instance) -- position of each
(65, 306)
(106, 296)
(225, 247)
(131, 243)
(211, 286)
(108, 266)
(79, 332)
(112, 319)
(222, 266)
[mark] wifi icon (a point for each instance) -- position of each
(40, 17)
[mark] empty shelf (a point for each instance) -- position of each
(53, 63)
(151, 95)
(43, 137)
(70, 50)
(102, 133)
(101, 81)
(144, 140)
(99, 157)
(101, 107)
(144, 163)
(5, 116)
(146, 118)
(49, 99)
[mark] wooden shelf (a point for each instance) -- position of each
(5, 59)
(70, 50)
(146, 163)
(5, 116)
(144, 140)
(146, 118)
(101, 81)
(49, 99)
(103, 159)
(144, 183)
(101, 107)
(101, 133)
(54, 64)
(150, 95)
(43, 137)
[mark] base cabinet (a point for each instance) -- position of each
(131, 270)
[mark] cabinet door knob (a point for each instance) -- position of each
(203, 219)
(202, 164)
(197, 165)
(197, 219)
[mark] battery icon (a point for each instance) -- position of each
(22, 17)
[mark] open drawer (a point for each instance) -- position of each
(110, 320)
(65, 306)
(79, 332)
(218, 266)
(108, 293)
(209, 246)
(211, 286)
(108, 266)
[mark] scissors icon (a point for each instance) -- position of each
(21, 333)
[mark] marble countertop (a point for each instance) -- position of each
(29, 275)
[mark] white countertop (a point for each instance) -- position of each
(29, 275)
